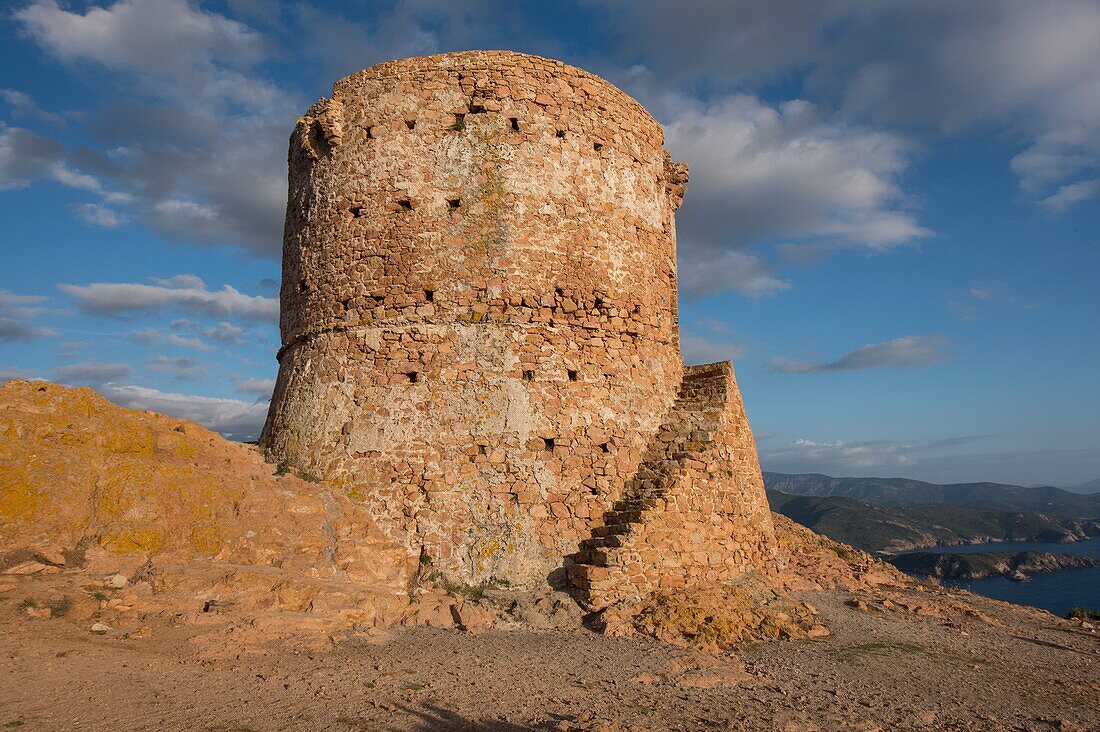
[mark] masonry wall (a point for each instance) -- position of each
(480, 337)
(695, 511)
(479, 315)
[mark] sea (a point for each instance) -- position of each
(1056, 592)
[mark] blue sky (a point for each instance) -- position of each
(892, 223)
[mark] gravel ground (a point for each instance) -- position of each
(879, 669)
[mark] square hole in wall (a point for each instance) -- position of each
(604, 447)
(411, 124)
(573, 374)
(482, 449)
(560, 134)
(528, 375)
(454, 202)
(429, 295)
(358, 211)
(370, 132)
(405, 204)
(412, 376)
(548, 444)
(513, 122)
(597, 146)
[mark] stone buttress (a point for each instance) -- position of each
(479, 317)
(695, 511)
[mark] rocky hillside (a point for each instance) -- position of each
(891, 529)
(1014, 565)
(183, 518)
(906, 492)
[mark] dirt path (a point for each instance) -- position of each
(877, 670)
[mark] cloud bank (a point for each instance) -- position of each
(186, 293)
(908, 352)
(234, 418)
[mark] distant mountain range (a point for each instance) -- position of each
(892, 529)
(1093, 486)
(1014, 565)
(898, 514)
(903, 492)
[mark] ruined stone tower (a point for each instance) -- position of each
(480, 336)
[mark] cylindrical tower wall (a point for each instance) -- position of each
(478, 304)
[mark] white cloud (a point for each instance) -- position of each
(21, 305)
(147, 36)
(99, 215)
(261, 388)
(698, 349)
(13, 330)
(803, 455)
(93, 372)
(184, 369)
(23, 105)
(73, 179)
(16, 314)
(908, 352)
(70, 349)
(990, 294)
(198, 145)
(183, 292)
(26, 157)
(782, 174)
(707, 340)
(222, 332)
(11, 372)
(152, 335)
(979, 293)
(788, 172)
(1071, 194)
(1030, 70)
(943, 460)
(232, 417)
(708, 271)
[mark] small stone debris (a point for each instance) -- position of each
(28, 567)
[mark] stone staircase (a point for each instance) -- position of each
(613, 563)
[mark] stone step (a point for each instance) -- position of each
(611, 530)
(625, 515)
(595, 557)
(602, 542)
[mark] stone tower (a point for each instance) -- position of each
(480, 337)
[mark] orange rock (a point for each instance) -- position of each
(176, 507)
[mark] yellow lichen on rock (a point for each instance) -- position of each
(118, 490)
(717, 616)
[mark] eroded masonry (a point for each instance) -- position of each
(480, 338)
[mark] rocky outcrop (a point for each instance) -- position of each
(979, 565)
(177, 518)
(716, 616)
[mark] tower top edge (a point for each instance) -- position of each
(483, 59)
